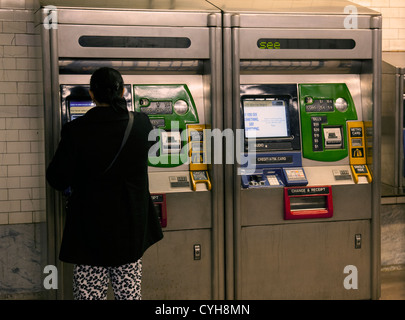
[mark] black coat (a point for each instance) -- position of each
(110, 217)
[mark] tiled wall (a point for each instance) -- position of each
(22, 185)
(393, 13)
(22, 181)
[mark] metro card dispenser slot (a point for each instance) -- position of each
(198, 156)
(159, 202)
(170, 142)
(170, 108)
(358, 161)
(333, 137)
(308, 202)
(325, 110)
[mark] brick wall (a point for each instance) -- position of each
(393, 13)
(22, 180)
(22, 185)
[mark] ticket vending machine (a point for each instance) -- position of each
(170, 59)
(304, 213)
(393, 124)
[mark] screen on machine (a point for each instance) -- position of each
(77, 108)
(265, 118)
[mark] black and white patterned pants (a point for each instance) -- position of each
(91, 282)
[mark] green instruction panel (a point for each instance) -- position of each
(170, 107)
(325, 108)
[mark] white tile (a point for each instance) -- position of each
(20, 217)
(19, 194)
(14, 27)
(18, 147)
(9, 206)
(19, 170)
(10, 159)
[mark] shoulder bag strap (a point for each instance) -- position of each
(124, 140)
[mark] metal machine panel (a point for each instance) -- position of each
(283, 257)
(132, 42)
(393, 124)
(179, 267)
(311, 20)
(303, 44)
(318, 14)
(198, 215)
(132, 13)
(140, 18)
(260, 207)
(162, 48)
(274, 258)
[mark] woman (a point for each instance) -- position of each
(110, 219)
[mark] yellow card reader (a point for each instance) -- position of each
(198, 156)
(357, 151)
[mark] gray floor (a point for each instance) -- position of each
(393, 285)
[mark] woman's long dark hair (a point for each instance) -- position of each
(107, 85)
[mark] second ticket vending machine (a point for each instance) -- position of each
(302, 200)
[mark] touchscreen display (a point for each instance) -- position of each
(79, 108)
(265, 118)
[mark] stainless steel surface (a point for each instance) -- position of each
(147, 5)
(236, 123)
(69, 46)
(319, 14)
(275, 258)
(261, 207)
(213, 90)
(376, 166)
(193, 217)
(250, 36)
(49, 141)
(68, 66)
(283, 264)
(393, 62)
(140, 17)
(296, 7)
(248, 251)
(167, 273)
(228, 50)
(392, 124)
(298, 66)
